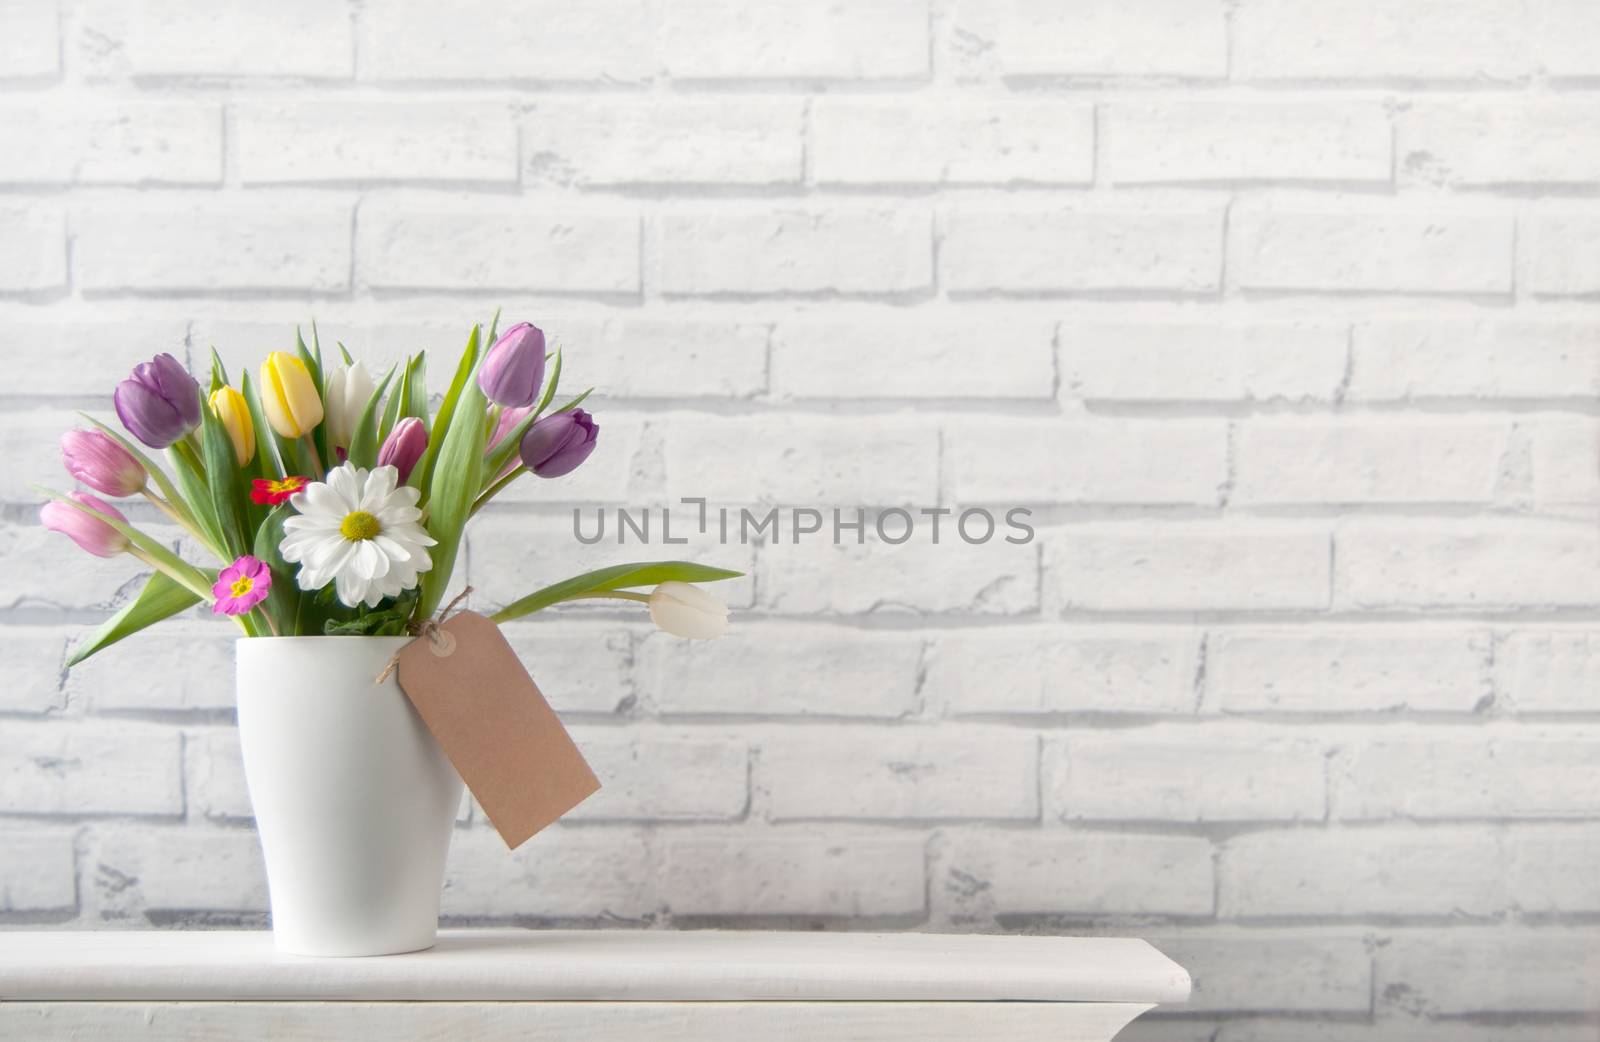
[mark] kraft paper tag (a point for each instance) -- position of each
(488, 715)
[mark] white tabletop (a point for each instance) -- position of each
(621, 966)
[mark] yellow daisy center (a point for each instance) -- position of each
(242, 585)
(359, 525)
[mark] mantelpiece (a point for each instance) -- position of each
(584, 985)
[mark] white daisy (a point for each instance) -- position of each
(359, 531)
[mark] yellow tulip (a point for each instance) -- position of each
(230, 408)
(289, 395)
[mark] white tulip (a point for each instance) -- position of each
(348, 389)
(685, 610)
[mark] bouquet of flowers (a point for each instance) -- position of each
(334, 503)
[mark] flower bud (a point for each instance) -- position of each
(404, 446)
(349, 387)
(685, 610)
(159, 403)
(233, 412)
(289, 395)
(513, 370)
(556, 444)
(89, 532)
(95, 458)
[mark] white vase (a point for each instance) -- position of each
(354, 800)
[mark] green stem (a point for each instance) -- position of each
(248, 624)
(196, 498)
(495, 489)
(311, 447)
(177, 575)
(271, 625)
(183, 448)
(184, 521)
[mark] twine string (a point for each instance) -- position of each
(429, 628)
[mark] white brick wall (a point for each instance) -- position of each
(1283, 317)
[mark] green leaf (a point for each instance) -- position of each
(161, 598)
(283, 599)
(391, 408)
(345, 354)
(574, 403)
(364, 439)
(196, 494)
(378, 624)
(617, 577)
(416, 403)
(391, 412)
(550, 390)
(224, 481)
(305, 465)
(219, 372)
(422, 476)
(410, 397)
(313, 360)
(383, 622)
(322, 379)
(457, 479)
(494, 326)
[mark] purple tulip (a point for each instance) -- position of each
(160, 402)
(404, 446)
(88, 531)
(95, 458)
(513, 370)
(556, 444)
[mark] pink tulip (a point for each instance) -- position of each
(509, 418)
(404, 446)
(95, 458)
(89, 532)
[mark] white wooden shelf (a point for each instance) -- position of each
(588, 985)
